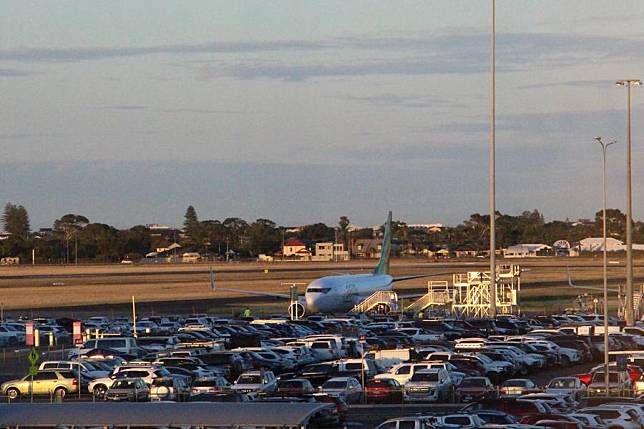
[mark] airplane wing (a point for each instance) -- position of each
(255, 292)
(572, 285)
(420, 276)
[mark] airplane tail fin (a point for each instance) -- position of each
(385, 251)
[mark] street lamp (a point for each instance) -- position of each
(492, 172)
(628, 313)
(604, 146)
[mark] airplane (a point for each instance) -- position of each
(340, 293)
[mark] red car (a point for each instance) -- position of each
(383, 390)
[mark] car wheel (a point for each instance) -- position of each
(13, 393)
(565, 360)
(60, 392)
(100, 390)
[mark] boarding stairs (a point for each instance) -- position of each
(437, 294)
(380, 299)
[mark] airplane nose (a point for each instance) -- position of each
(312, 305)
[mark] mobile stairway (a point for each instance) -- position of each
(438, 294)
(382, 301)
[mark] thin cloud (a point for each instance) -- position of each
(206, 111)
(393, 100)
(100, 53)
(14, 73)
(123, 107)
(570, 83)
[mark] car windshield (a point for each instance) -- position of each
(292, 384)
(562, 383)
(598, 377)
(515, 383)
(425, 376)
(249, 379)
(334, 384)
(473, 382)
(124, 384)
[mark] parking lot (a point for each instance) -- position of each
(368, 369)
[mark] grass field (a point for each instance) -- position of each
(47, 289)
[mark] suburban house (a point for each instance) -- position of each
(328, 251)
(366, 247)
(296, 249)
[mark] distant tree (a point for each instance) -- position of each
(16, 221)
(192, 227)
(67, 227)
(264, 237)
(343, 226)
(317, 232)
(235, 229)
(615, 223)
(135, 242)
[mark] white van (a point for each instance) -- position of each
(125, 345)
(389, 358)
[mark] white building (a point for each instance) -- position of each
(329, 251)
(527, 251)
(596, 244)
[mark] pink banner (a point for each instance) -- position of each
(29, 331)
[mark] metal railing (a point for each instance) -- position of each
(386, 297)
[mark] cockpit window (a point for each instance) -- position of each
(317, 289)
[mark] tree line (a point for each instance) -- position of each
(74, 238)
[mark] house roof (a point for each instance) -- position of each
(293, 242)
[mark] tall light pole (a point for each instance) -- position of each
(604, 146)
(492, 172)
(628, 313)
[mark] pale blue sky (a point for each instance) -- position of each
(377, 105)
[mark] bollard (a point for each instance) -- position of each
(36, 338)
(51, 339)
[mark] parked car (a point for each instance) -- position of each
(619, 384)
(475, 388)
(254, 382)
(47, 382)
(295, 387)
(517, 387)
(169, 389)
(570, 386)
(383, 390)
(431, 385)
(128, 389)
(347, 388)
(210, 385)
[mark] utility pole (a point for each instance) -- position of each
(629, 310)
(492, 172)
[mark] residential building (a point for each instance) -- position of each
(329, 251)
(366, 248)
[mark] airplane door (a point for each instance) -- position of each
(350, 293)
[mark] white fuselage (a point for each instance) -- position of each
(336, 294)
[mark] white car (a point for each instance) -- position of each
(169, 389)
(431, 385)
(86, 368)
(421, 336)
(147, 374)
(615, 418)
(403, 372)
(570, 386)
(347, 388)
(210, 385)
(254, 382)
